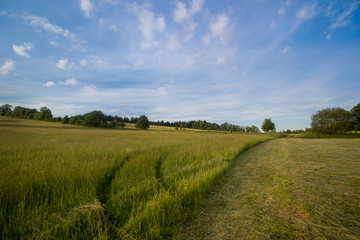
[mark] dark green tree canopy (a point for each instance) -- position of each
(331, 120)
(44, 114)
(142, 122)
(268, 126)
(5, 109)
(356, 112)
(94, 119)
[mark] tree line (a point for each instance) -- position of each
(101, 120)
(336, 120)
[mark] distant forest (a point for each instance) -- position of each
(101, 120)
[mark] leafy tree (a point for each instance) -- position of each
(142, 122)
(268, 126)
(65, 120)
(331, 120)
(94, 119)
(23, 112)
(44, 114)
(5, 109)
(355, 112)
(255, 129)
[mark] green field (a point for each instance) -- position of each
(286, 189)
(67, 182)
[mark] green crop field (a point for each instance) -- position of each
(66, 182)
(286, 189)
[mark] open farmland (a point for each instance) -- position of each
(59, 181)
(286, 189)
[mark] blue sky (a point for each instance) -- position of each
(236, 61)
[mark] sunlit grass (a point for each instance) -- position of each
(287, 189)
(60, 181)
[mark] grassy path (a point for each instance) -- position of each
(286, 189)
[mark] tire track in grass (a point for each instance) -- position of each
(103, 195)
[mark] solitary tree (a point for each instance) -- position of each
(142, 122)
(268, 126)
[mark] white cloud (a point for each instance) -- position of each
(86, 6)
(221, 29)
(113, 27)
(281, 11)
(70, 81)
(329, 36)
(206, 39)
(220, 60)
(163, 92)
(182, 14)
(306, 12)
(49, 84)
(37, 21)
(174, 42)
(62, 63)
(149, 24)
(196, 6)
(272, 24)
(188, 37)
(100, 63)
(139, 63)
(7, 67)
(345, 17)
(21, 50)
(53, 43)
(83, 62)
(286, 49)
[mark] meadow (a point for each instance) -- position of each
(288, 188)
(67, 182)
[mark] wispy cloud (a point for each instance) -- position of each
(221, 28)
(174, 43)
(44, 23)
(7, 67)
(21, 50)
(86, 6)
(149, 24)
(163, 91)
(345, 17)
(62, 63)
(83, 62)
(286, 49)
(220, 60)
(182, 14)
(307, 12)
(49, 84)
(281, 11)
(53, 43)
(70, 81)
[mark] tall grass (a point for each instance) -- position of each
(325, 135)
(78, 183)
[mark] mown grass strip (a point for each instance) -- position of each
(286, 189)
